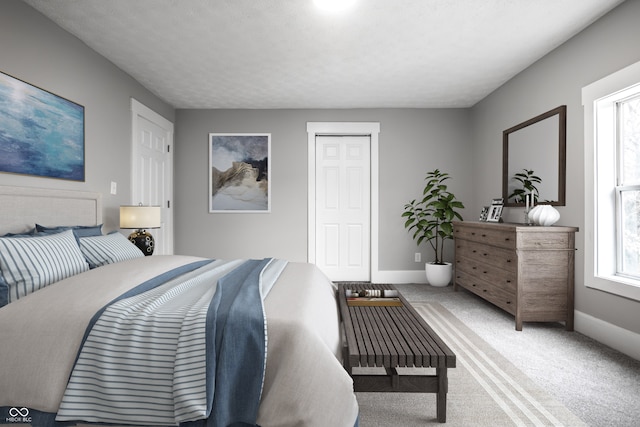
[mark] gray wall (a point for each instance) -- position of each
(411, 142)
(605, 47)
(35, 50)
(466, 143)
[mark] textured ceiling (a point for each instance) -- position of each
(289, 54)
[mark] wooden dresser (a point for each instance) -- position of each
(527, 271)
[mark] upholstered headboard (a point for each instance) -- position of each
(22, 207)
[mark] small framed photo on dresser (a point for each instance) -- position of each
(484, 213)
(494, 213)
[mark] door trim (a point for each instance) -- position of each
(371, 129)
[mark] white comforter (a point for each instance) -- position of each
(305, 384)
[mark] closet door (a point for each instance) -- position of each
(343, 207)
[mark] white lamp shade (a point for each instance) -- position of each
(140, 216)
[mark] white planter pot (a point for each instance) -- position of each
(438, 275)
(544, 215)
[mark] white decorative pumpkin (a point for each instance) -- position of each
(544, 215)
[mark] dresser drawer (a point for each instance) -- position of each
(545, 240)
(501, 238)
(503, 279)
(503, 298)
(497, 257)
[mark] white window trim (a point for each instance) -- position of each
(616, 82)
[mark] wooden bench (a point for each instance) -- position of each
(392, 337)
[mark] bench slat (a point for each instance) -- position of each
(432, 337)
(430, 352)
(381, 349)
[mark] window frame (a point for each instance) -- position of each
(620, 231)
(602, 190)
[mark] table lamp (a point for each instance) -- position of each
(140, 218)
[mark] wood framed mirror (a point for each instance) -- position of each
(538, 145)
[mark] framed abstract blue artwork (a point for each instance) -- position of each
(239, 172)
(41, 133)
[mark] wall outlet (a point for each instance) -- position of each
(114, 187)
(418, 257)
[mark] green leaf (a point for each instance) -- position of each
(430, 218)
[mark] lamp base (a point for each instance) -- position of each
(143, 241)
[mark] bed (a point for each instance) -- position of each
(118, 338)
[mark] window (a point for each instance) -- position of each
(628, 188)
(612, 183)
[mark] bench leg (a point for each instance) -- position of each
(441, 396)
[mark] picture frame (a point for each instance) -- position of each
(495, 213)
(41, 134)
(239, 173)
(484, 214)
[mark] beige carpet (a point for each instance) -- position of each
(484, 389)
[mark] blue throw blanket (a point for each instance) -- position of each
(184, 348)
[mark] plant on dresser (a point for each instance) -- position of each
(527, 271)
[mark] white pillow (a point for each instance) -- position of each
(31, 263)
(102, 250)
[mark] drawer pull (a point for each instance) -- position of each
(484, 272)
(506, 239)
(474, 285)
(485, 254)
(508, 260)
(508, 302)
(473, 268)
(484, 235)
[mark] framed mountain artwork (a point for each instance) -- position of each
(239, 172)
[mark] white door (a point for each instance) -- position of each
(152, 180)
(343, 207)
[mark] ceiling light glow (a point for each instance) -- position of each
(334, 5)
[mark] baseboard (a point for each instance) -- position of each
(623, 340)
(399, 276)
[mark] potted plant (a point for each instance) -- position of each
(430, 219)
(528, 179)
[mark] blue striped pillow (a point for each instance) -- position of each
(29, 264)
(4, 288)
(102, 250)
(78, 230)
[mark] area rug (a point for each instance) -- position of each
(485, 389)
